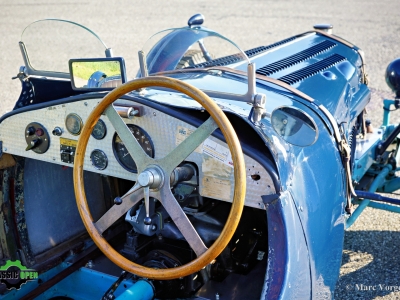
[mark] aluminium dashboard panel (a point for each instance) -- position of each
(212, 157)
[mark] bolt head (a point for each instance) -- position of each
(147, 221)
(118, 201)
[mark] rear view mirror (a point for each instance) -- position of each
(97, 74)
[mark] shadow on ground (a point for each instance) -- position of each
(370, 265)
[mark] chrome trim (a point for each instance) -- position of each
(29, 70)
(142, 63)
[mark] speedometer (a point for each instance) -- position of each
(122, 154)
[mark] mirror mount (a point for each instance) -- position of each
(109, 52)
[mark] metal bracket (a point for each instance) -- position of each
(259, 101)
(109, 52)
(31, 71)
(27, 95)
(21, 74)
(143, 64)
(129, 112)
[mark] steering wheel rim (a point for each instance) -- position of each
(239, 175)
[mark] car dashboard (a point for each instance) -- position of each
(51, 133)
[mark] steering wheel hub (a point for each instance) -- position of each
(151, 178)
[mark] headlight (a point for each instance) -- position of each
(294, 126)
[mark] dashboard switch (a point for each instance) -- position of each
(67, 150)
(37, 138)
(66, 156)
(32, 144)
(30, 130)
(57, 131)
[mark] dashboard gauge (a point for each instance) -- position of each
(99, 130)
(74, 124)
(99, 159)
(122, 154)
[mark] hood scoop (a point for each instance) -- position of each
(296, 58)
(313, 69)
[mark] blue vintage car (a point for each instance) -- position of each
(217, 173)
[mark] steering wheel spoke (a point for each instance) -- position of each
(182, 222)
(187, 146)
(135, 150)
(116, 211)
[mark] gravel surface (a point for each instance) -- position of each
(370, 257)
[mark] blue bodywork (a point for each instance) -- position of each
(305, 201)
(312, 179)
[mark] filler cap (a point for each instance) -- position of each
(196, 20)
(328, 28)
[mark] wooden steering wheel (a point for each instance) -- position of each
(154, 179)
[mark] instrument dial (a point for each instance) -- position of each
(74, 124)
(99, 130)
(122, 154)
(99, 159)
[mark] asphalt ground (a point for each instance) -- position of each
(371, 268)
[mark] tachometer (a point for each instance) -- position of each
(122, 154)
